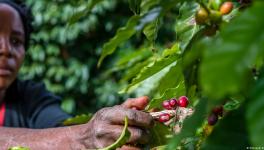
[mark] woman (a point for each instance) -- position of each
(29, 113)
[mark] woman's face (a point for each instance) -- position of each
(12, 50)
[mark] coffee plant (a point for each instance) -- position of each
(215, 59)
(205, 76)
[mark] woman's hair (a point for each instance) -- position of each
(26, 17)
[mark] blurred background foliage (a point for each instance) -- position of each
(65, 57)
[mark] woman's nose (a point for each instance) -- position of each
(5, 47)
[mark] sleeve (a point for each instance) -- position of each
(43, 107)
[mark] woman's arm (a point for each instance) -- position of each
(103, 129)
(62, 138)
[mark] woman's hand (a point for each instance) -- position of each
(108, 123)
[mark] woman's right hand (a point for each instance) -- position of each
(107, 124)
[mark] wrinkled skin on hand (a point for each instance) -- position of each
(108, 123)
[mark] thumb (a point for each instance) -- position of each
(136, 103)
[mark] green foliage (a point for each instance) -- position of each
(79, 119)
(148, 21)
(206, 69)
(122, 35)
(231, 105)
(157, 50)
(154, 68)
(134, 5)
(81, 13)
(254, 113)
(64, 51)
(159, 135)
(231, 132)
(233, 54)
(18, 148)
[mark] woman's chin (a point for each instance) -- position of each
(4, 84)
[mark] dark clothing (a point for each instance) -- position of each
(30, 105)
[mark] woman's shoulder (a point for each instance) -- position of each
(28, 84)
(29, 90)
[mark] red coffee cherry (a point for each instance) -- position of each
(166, 105)
(183, 101)
(164, 117)
(212, 119)
(173, 102)
(218, 110)
(226, 8)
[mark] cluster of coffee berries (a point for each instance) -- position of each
(216, 112)
(211, 16)
(172, 104)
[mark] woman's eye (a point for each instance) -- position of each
(16, 41)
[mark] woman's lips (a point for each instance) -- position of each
(4, 71)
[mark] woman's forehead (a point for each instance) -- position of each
(9, 17)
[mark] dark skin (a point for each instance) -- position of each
(104, 128)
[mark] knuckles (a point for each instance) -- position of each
(132, 116)
(99, 129)
(103, 113)
(102, 121)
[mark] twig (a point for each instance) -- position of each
(181, 112)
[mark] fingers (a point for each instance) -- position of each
(136, 103)
(111, 133)
(109, 123)
(138, 135)
(116, 115)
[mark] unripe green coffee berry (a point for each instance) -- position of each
(201, 16)
(215, 16)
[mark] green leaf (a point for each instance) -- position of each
(132, 72)
(68, 105)
(79, 119)
(190, 125)
(78, 14)
(148, 71)
(229, 133)
(163, 147)
(151, 30)
(148, 4)
(149, 17)
(159, 135)
(215, 4)
(168, 94)
(134, 6)
(230, 54)
(175, 49)
(125, 135)
(186, 28)
(187, 36)
(133, 57)
(255, 113)
(231, 105)
(172, 78)
(18, 148)
(131, 62)
(122, 35)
